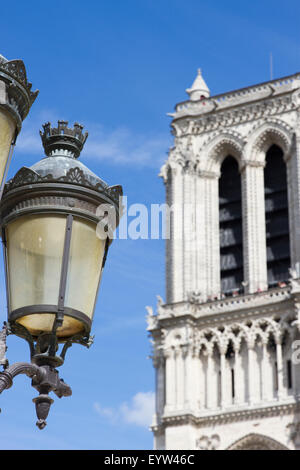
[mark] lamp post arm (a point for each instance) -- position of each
(31, 370)
(44, 379)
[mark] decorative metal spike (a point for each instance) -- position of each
(42, 407)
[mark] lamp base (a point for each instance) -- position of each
(44, 347)
(45, 360)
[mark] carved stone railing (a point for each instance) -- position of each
(244, 95)
(246, 301)
(198, 309)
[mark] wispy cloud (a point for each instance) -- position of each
(124, 146)
(141, 409)
(138, 412)
(120, 145)
(110, 414)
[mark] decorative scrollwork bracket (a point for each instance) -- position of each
(45, 379)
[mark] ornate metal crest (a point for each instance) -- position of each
(16, 69)
(74, 176)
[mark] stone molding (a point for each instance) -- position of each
(254, 441)
(228, 417)
(243, 305)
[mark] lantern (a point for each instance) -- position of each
(54, 253)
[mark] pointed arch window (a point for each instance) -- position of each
(277, 217)
(230, 222)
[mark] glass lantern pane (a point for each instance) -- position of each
(34, 256)
(86, 256)
(34, 250)
(8, 128)
(35, 246)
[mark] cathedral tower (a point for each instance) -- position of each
(226, 341)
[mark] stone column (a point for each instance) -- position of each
(251, 379)
(280, 392)
(264, 371)
(159, 364)
(212, 238)
(254, 226)
(189, 233)
(294, 367)
(209, 373)
(170, 380)
(201, 267)
(223, 378)
(180, 379)
(293, 186)
(193, 251)
(199, 400)
(174, 245)
(190, 377)
(238, 399)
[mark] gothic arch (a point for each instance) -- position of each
(264, 327)
(218, 148)
(255, 441)
(259, 329)
(262, 136)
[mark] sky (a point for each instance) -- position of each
(118, 68)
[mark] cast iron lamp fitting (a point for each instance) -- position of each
(53, 259)
(44, 378)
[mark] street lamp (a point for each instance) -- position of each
(54, 256)
(16, 99)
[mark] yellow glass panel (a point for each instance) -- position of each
(43, 322)
(35, 247)
(34, 251)
(7, 131)
(86, 256)
(34, 256)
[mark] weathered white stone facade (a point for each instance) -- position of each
(204, 346)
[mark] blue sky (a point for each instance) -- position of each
(118, 68)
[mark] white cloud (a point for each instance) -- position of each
(116, 146)
(108, 413)
(138, 412)
(124, 146)
(141, 410)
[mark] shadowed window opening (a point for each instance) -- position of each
(232, 384)
(275, 376)
(289, 374)
(231, 236)
(277, 218)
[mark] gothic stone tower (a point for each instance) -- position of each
(225, 341)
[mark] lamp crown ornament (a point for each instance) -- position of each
(63, 140)
(18, 97)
